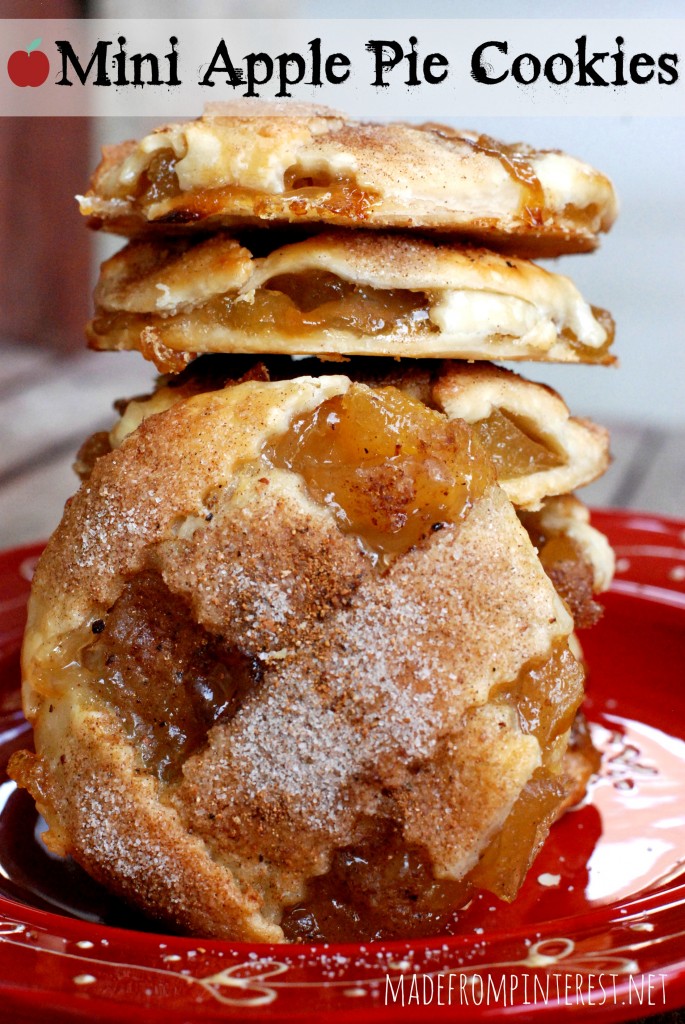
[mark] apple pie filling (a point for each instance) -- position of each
(340, 196)
(300, 304)
(295, 305)
(513, 447)
(168, 679)
(381, 888)
(572, 574)
(311, 302)
(389, 468)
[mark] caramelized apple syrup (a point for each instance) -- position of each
(381, 889)
(515, 161)
(168, 679)
(546, 696)
(512, 447)
(299, 305)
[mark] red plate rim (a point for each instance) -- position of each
(652, 540)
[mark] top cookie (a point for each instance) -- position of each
(235, 170)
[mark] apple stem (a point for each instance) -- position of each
(34, 45)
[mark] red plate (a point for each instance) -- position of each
(599, 923)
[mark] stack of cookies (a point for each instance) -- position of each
(301, 656)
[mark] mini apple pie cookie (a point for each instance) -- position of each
(295, 669)
(537, 447)
(232, 167)
(351, 293)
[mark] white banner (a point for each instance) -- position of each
(171, 68)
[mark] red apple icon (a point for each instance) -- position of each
(29, 66)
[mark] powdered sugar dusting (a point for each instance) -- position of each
(357, 713)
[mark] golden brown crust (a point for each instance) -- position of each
(228, 171)
(111, 817)
(146, 277)
(373, 684)
(567, 516)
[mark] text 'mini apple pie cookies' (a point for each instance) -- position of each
(301, 657)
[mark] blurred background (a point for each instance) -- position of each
(53, 394)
